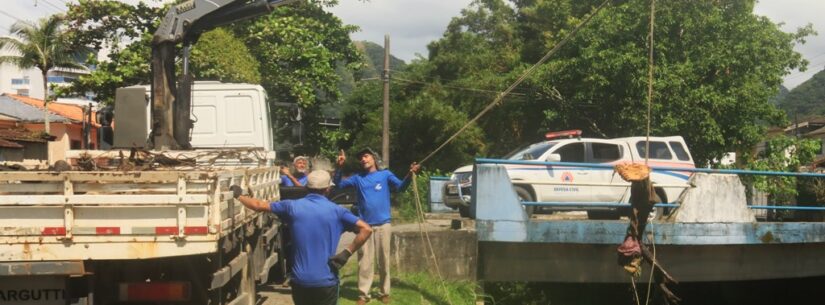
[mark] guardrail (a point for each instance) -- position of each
(562, 204)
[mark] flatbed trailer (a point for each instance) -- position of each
(156, 236)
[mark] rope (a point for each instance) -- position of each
(653, 266)
(518, 81)
(635, 291)
(650, 68)
(423, 232)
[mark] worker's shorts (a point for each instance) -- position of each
(315, 295)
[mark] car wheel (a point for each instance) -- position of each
(525, 195)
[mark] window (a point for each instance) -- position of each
(659, 149)
(604, 152)
(573, 152)
(531, 152)
(680, 151)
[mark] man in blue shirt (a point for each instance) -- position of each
(373, 185)
(301, 165)
(317, 225)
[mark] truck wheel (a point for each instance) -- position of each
(464, 211)
(525, 195)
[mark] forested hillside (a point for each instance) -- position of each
(806, 99)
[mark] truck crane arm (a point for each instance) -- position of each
(183, 23)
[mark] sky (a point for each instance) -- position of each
(412, 24)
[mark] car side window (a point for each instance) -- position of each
(605, 152)
(573, 152)
(659, 150)
(680, 151)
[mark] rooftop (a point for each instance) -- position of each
(73, 112)
(16, 109)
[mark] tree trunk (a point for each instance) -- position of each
(46, 101)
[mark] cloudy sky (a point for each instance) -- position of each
(412, 24)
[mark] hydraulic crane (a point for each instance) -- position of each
(171, 104)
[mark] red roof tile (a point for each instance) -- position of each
(9, 144)
(73, 112)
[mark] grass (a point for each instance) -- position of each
(410, 289)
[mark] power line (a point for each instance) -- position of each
(11, 16)
(455, 87)
(811, 69)
(59, 10)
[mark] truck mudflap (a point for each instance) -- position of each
(42, 268)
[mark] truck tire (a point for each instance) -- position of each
(464, 211)
(524, 194)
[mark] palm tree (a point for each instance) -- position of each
(44, 45)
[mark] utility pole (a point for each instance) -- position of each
(385, 143)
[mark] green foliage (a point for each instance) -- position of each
(406, 202)
(418, 124)
(806, 99)
(98, 23)
(219, 55)
(412, 289)
(299, 47)
(717, 66)
(373, 65)
(782, 153)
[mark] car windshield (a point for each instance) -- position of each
(530, 152)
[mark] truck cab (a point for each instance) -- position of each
(224, 115)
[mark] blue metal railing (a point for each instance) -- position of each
(563, 204)
(654, 168)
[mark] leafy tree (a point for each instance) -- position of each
(373, 54)
(717, 66)
(219, 55)
(420, 122)
(299, 48)
(786, 154)
(124, 28)
(43, 45)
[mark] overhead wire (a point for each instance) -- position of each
(11, 16)
(439, 78)
(59, 10)
(454, 87)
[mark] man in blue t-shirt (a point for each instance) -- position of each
(317, 225)
(373, 185)
(301, 165)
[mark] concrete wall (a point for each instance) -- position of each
(455, 252)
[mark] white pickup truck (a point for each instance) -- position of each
(575, 184)
(166, 235)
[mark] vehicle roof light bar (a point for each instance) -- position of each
(564, 133)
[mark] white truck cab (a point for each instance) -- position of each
(224, 115)
(578, 184)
